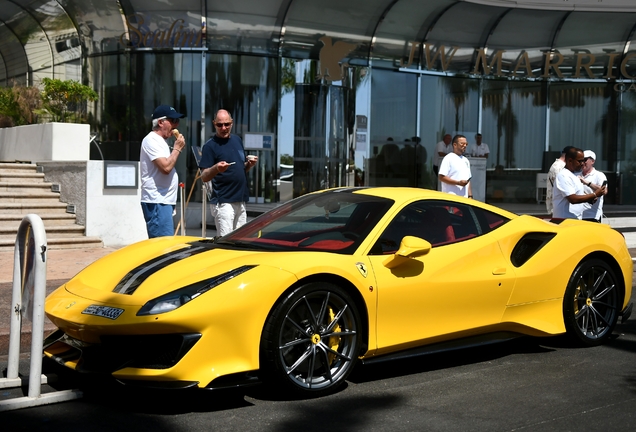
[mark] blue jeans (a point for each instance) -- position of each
(158, 218)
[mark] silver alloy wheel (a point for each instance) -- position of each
(591, 303)
(317, 340)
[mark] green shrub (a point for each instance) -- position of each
(60, 101)
(19, 105)
(66, 101)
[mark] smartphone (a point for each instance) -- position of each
(604, 183)
(467, 181)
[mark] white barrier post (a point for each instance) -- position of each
(204, 210)
(183, 221)
(29, 279)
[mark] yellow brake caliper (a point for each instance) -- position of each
(577, 293)
(334, 341)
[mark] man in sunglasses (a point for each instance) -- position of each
(569, 197)
(159, 179)
(223, 161)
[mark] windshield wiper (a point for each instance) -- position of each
(241, 244)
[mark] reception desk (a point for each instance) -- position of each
(478, 181)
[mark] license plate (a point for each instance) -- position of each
(103, 311)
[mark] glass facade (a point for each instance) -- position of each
(351, 93)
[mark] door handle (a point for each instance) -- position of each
(499, 271)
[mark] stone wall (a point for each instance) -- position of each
(71, 176)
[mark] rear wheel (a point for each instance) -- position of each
(311, 340)
(591, 303)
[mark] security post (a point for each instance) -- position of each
(29, 292)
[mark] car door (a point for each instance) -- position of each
(460, 286)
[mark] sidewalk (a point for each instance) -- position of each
(63, 264)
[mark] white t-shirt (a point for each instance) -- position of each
(567, 184)
(156, 187)
(478, 150)
(556, 167)
(457, 168)
(441, 147)
(596, 210)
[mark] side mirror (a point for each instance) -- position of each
(410, 247)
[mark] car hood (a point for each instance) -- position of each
(137, 273)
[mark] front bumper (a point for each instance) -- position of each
(115, 352)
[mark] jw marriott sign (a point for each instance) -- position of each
(579, 64)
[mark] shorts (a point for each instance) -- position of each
(159, 222)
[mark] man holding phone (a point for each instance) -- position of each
(570, 199)
(593, 180)
(223, 161)
(454, 171)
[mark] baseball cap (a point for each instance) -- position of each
(166, 111)
(589, 154)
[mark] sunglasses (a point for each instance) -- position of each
(221, 125)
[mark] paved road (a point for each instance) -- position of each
(529, 384)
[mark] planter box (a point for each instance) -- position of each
(45, 142)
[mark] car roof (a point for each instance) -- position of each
(408, 194)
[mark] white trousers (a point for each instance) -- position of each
(228, 216)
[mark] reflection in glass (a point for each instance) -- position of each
(513, 123)
(393, 125)
(579, 114)
(448, 106)
(627, 152)
(513, 126)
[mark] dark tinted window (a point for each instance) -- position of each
(438, 222)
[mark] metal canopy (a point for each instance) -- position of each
(54, 38)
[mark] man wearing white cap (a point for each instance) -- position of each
(592, 180)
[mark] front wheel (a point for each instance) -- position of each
(311, 340)
(591, 303)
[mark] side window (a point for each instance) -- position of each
(438, 222)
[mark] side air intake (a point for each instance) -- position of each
(529, 245)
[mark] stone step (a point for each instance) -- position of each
(49, 219)
(51, 231)
(21, 177)
(39, 208)
(52, 242)
(25, 187)
(8, 167)
(24, 191)
(12, 197)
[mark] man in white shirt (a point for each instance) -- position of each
(454, 171)
(442, 148)
(159, 179)
(556, 167)
(570, 199)
(593, 180)
(479, 149)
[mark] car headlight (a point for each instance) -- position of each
(178, 298)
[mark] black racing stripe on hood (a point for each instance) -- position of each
(139, 274)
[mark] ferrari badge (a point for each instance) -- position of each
(362, 269)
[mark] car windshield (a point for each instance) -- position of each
(333, 221)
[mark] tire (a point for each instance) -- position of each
(311, 340)
(591, 303)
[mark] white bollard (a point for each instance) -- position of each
(29, 280)
(183, 221)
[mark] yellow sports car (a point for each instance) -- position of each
(302, 292)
